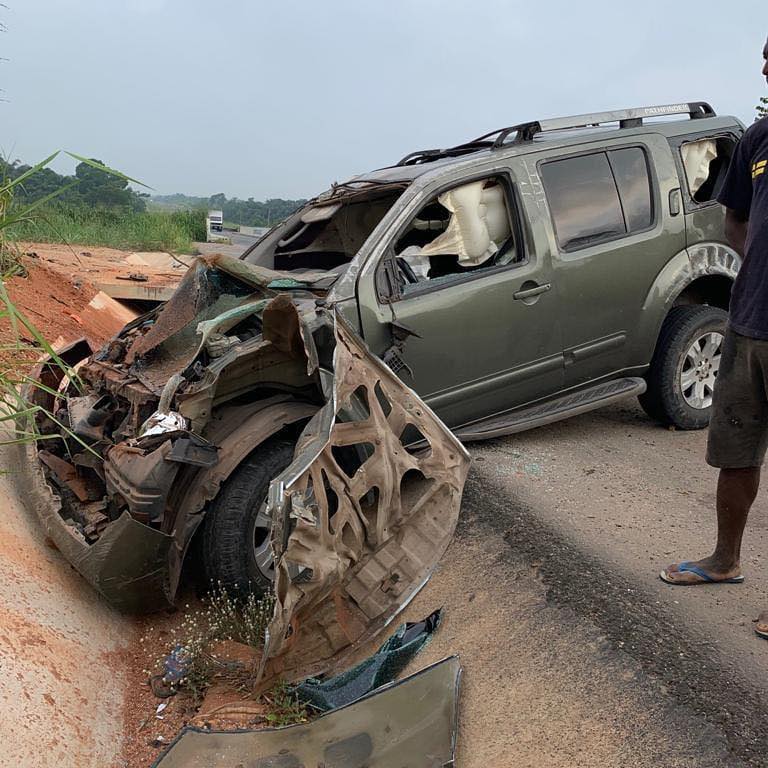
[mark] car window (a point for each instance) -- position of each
(583, 199)
(705, 162)
(465, 229)
(599, 196)
(630, 169)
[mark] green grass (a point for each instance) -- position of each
(146, 231)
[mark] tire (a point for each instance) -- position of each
(235, 544)
(676, 362)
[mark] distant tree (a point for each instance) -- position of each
(253, 213)
(102, 190)
(92, 187)
(762, 108)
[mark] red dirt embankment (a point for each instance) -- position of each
(61, 309)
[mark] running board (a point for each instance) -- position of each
(553, 410)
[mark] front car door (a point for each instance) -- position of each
(476, 302)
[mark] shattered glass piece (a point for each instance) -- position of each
(383, 667)
(408, 723)
(288, 282)
(175, 665)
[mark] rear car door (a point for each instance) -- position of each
(483, 337)
(612, 235)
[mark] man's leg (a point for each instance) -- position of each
(736, 491)
(737, 441)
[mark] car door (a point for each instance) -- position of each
(482, 341)
(612, 236)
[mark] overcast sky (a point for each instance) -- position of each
(279, 98)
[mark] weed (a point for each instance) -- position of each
(193, 649)
(285, 706)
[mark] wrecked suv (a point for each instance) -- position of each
(276, 417)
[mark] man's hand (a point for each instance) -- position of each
(736, 225)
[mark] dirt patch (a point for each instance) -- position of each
(63, 309)
(147, 731)
(121, 274)
(226, 701)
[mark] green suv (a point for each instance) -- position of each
(538, 271)
(277, 418)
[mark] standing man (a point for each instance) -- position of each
(738, 433)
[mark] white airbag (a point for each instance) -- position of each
(697, 155)
(479, 222)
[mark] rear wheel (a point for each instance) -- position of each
(684, 368)
(237, 530)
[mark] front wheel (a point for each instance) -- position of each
(237, 551)
(684, 368)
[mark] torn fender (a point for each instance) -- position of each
(354, 546)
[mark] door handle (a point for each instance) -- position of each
(529, 293)
(674, 201)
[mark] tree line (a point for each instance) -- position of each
(89, 187)
(250, 212)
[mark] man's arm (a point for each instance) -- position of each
(736, 225)
(736, 194)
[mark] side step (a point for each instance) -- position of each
(553, 410)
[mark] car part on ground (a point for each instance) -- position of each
(327, 693)
(412, 722)
(684, 368)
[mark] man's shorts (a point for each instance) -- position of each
(738, 429)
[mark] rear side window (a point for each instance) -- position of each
(630, 169)
(598, 197)
(705, 162)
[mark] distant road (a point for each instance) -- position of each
(239, 244)
(241, 241)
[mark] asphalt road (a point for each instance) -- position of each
(576, 654)
(238, 244)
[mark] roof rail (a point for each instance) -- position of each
(626, 118)
(428, 155)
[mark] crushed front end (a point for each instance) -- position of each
(150, 427)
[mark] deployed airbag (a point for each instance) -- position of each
(697, 155)
(479, 223)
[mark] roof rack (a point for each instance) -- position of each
(626, 118)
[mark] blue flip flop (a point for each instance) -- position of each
(705, 577)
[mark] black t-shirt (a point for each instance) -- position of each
(746, 191)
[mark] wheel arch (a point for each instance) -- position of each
(236, 436)
(700, 274)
